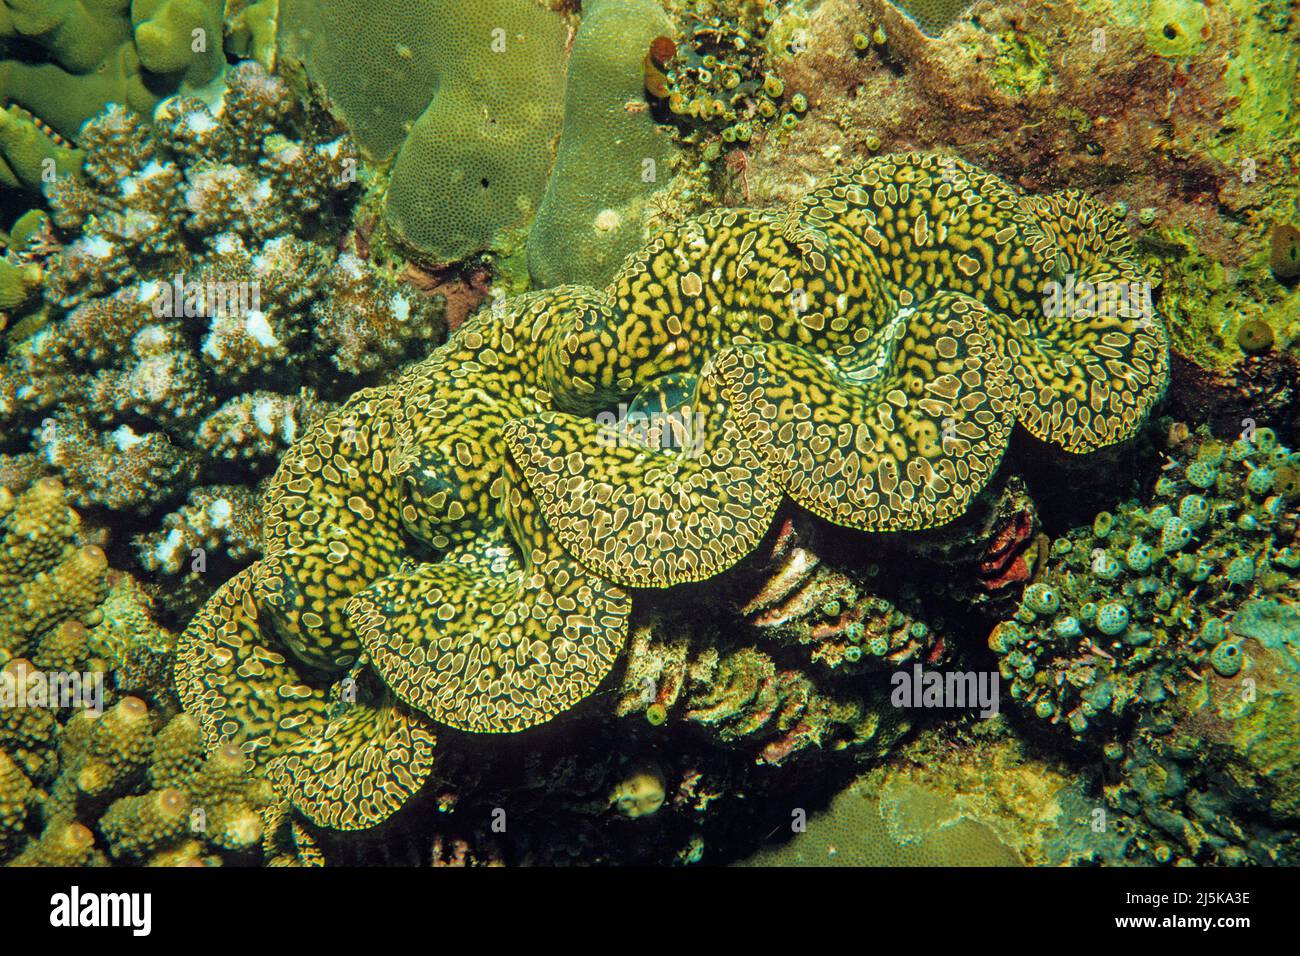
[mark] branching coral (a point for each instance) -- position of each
(95, 763)
(199, 314)
(436, 578)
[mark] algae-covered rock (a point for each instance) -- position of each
(612, 155)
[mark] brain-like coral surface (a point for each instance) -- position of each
(933, 16)
(453, 547)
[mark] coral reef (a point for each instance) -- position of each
(198, 314)
(509, 609)
(1128, 607)
(975, 795)
(561, 187)
(933, 16)
(47, 576)
(715, 86)
(1214, 781)
(737, 695)
(632, 561)
(820, 409)
(30, 152)
(1165, 636)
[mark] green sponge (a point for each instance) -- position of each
(612, 155)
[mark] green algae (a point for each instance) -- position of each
(1021, 65)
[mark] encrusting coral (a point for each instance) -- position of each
(899, 295)
(512, 128)
(933, 16)
(611, 156)
(469, 115)
(96, 52)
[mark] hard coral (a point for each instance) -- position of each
(582, 233)
(199, 315)
(89, 53)
(95, 765)
(471, 112)
(577, 171)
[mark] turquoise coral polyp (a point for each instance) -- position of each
(1169, 614)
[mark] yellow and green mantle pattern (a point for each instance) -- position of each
(453, 548)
